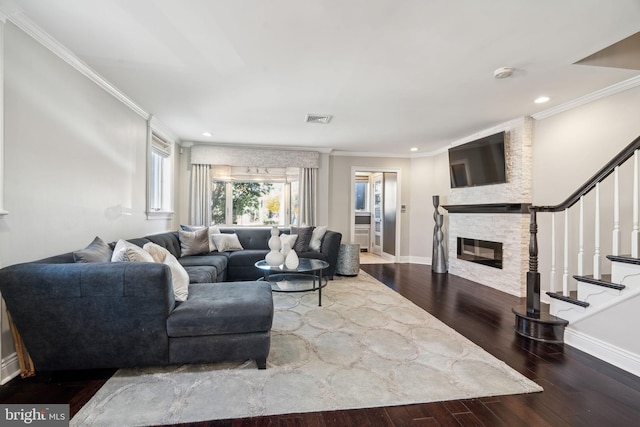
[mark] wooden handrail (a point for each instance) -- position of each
(607, 170)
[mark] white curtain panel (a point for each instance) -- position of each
(308, 184)
(200, 203)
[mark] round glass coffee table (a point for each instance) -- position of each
(304, 278)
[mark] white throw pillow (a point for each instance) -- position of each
(288, 238)
(179, 278)
(214, 229)
(316, 238)
(128, 252)
(227, 242)
(157, 252)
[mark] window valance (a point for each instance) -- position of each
(251, 156)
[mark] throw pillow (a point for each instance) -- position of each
(288, 238)
(227, 242)
(303, 240)
(214, 229)
(179, 278)
(128, 252)
(194, 242)
(316, 238)
(97, 251)
(157, 252)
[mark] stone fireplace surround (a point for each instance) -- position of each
(497, 213)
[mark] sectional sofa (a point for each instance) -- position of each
(85, 315)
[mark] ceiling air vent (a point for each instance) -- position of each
(319, 118)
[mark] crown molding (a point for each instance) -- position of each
(593, 96)
(158, 127)
(21, 21)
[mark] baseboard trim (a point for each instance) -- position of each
(10, 368)
(415, 260)
(607, 352)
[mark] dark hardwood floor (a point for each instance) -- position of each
(579, 390)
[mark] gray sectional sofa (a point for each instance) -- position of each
(74, 315)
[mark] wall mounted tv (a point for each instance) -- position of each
(480, 162)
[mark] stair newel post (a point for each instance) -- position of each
(552, 274)
(533, 277)
(635, 234)
(615, 249)
(565, 257)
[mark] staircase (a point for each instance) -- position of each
(597, 311)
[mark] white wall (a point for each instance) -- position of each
(75, 161)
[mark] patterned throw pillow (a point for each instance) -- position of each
(128, 252)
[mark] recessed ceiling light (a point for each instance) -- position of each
(541, 99)
(414, 149)
(207, 134)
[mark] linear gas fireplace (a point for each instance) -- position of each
(480, 251)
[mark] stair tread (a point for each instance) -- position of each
(626, 258)
(571, 298)
(604, 281)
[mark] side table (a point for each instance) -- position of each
(348, 259)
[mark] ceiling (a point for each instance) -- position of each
(395, 74)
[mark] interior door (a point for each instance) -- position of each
(378, 203)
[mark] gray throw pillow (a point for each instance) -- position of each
(97, 251)
(227, 242)
(303, 240)
(194, 242)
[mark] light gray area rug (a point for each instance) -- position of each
(367, 346)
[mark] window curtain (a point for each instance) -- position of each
(308, 192)
(200, 203)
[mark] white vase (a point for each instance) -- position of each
(274, 258)
(292, 261)
(286, 248)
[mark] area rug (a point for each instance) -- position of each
(367, 346)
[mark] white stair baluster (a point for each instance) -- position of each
(615, 238)
(596, 252)
(565, 271)
(552, 278)
(581, 239)
(634, 233)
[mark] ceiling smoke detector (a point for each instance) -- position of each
(319, 118)
(503, 72)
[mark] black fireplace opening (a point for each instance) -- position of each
(480, 251)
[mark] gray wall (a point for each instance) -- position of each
(75, 161)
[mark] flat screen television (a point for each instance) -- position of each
(480, 162)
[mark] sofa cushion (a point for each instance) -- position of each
(169, 241)
(214, 229)
(251, 237)
(227, 242)
(97, 251)
(304, 238)
(247, 258)
(202, 274)
(194, 242)
(223, 308)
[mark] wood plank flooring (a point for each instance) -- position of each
(580, 390)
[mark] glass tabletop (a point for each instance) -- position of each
(306, 264)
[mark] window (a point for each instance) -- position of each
(362, 193)
(254, 196)
(160, 203)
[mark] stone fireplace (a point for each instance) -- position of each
(483, 252)
(496, 213)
